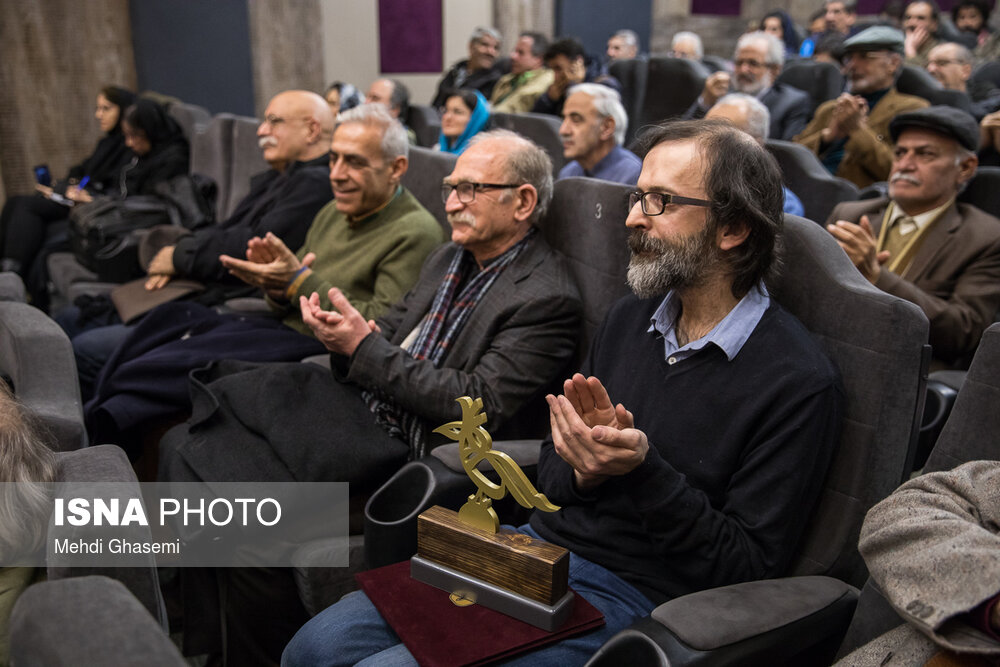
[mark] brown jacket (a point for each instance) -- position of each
(868, 155)
(954, 276)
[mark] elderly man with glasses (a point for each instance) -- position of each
(691, 449)
(850, 134)
(494, 315)
(758, 60)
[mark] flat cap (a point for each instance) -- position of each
(949, 121)
(875, 38)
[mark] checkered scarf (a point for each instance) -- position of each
(438, 331)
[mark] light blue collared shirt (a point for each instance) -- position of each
(729, 335)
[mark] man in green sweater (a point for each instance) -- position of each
(370, 243)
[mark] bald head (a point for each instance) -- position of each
(297, 127)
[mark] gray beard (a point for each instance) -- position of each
(658, 266)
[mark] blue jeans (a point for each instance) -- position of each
(352, 632)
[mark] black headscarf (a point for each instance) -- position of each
(111, 154)
(168, 156)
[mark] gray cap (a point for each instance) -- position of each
(876, 38)
(949, 121)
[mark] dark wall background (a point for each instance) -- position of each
(594, 21)
(195, 50)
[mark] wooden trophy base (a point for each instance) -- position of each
(477, 591)
(506, 571)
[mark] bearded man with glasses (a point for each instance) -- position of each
(690, 450)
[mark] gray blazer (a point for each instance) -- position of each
(954, 277)
(522, 336)
(933, 549)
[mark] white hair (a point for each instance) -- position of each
(686, 35)
(607, 103)
(628, 36)
(758, 116)
(774, 49)
(394, 140)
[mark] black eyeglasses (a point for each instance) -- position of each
(653, 203)
(467, 191)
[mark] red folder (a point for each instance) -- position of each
(441, 634)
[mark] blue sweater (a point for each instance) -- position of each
(738, 453)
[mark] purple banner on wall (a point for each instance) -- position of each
(410, 36)
(717, 7)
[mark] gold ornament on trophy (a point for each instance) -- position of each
(469, 556)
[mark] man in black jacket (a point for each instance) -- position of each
(667, 496)
(295, 140)
(480, 71)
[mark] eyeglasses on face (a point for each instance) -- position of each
(653, 203)
(466, 192)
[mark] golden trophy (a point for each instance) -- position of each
(468, 555)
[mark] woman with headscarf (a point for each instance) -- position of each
(466, 113)
(780, 24)
(25, 218)
(160, 152)
(342, 96)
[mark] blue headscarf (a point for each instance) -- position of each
(477, 121)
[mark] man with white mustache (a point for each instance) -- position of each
(660, 497)
(758, 60)
(294, 139)
(918, 243)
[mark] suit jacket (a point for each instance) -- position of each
(954, 276)
(520, 339)
(933, 549)
(868, 156)
(788, 106)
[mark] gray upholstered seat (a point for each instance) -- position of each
(672, 85)
(917, 81)
(192, 118)
(87, 621)
(879, 343)
(212, 156)
(823, 81)
(37, 357)
(806, 176)
(426, 124)
(11, 287)
(108, 463)
(632, 74)
(247, 161)
(423, 178)
(970, 434)
(541, 128)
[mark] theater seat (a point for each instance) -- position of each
(879, 344)
(37, 358)
(918, 81)
(212, 155)
(428, 168)
(541, 128)
(823, 81)
(247, 161)
(107, 463)
(586, 223)
(672, 85)
(426, 124)
(191, 117)
(970, 434)
(632, 74)
(87, 621)
(804, 175)
(11, 287)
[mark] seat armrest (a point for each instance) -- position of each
(796, 620)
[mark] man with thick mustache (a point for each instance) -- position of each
(369, 242)
(919, 244)
(495, 315)
(660, 496)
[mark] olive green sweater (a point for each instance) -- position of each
(373, 261)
